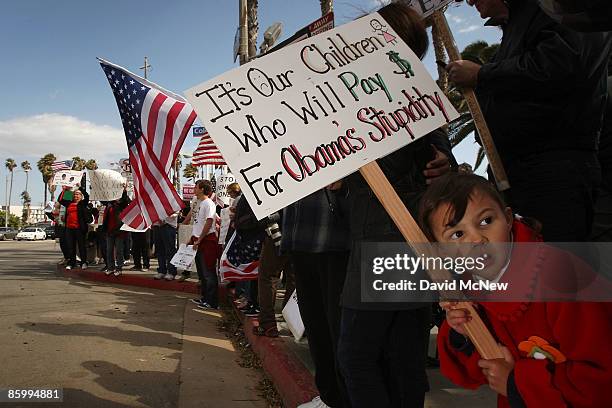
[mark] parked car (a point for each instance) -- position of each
(50, 231)
(31, 234)
(7, 233)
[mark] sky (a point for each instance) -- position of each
(56, 98)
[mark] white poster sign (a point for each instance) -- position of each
(70, 178)
(291, 313)
(223, 180)
(427, 7)
(225, 223)
(106, 185)
(184, 257)
(294, 121)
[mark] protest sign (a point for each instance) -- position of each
(223, 180)
(184, 233)
(69, 178)
(188, 191)
(184, 257)
(225, 223)
(291, 314)
(342, 99)
(426, 7)
(106, 185)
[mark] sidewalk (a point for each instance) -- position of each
(287, 363)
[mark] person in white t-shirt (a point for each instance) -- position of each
(204, 240)
(194, 208)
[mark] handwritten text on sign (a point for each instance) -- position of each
(316, 111)
(106, 185)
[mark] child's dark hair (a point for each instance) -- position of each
(454, 189)
(408, 24)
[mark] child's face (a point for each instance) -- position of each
(483, 223)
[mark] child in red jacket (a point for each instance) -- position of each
(555, 353)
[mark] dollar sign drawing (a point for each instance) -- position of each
(406, 68)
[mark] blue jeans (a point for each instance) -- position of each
(114, 247)
(165, 248)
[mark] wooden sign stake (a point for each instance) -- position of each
(378, 182)
(495, 162)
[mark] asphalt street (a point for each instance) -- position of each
(110, 346)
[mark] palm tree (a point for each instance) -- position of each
(25, 215)
(253, 27)
(91, 164)
(10, 165)
(44, 166)
(26, 167)
(190, 172)
(479, 52)
(326, 6)
(78, 163)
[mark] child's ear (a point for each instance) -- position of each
(509, 216)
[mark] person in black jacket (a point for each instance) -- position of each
(543, 97)
(382, 345)
(78, 218)
(114, 235)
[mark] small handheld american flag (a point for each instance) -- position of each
(156, 122)
(62, 165)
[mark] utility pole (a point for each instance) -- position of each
(7, 212)
(244, 32)
(146, 67)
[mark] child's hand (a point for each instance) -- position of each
(456, 318)
(498, 370)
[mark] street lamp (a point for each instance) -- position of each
(270, 36)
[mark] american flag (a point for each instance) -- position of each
(156, 123)
(61, 165)
(207, 153)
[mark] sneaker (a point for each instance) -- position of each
(105, 269)
(84, 266)
(251, 311)
(169, 277)
(197, 301)
(204, 305)
(108, 272)
(117, 272)
(135, 268)
(159, 276)
(144, 269)
(182, 278)
(316, 402)
(68, 267)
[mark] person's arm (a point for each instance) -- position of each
(207, 225)
(187, 219)
(581, 332)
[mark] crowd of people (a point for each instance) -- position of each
(545, 99)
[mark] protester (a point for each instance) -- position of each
(382, 346)
(543, 96)
(271, 264)
(545, 362)
(316, 237)
(115, 236)
(102, 237)
(140, 250)
(165, 247)
(192, 214)
(58, 216)
(78, 218)
(204, 240)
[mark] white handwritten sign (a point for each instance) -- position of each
(106, 185)
(68, 178)
(184, 257)
(292, 122)
(427, 7)
(224, 180)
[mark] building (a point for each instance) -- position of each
(37, 213)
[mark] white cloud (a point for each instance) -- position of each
(455, 19)
(471, 28)
(65, 136)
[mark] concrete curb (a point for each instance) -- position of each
(143, 281)
(292, 380)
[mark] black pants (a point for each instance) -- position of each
(60, 233)
(558, 189)
(382, 357)
(74, 238)
(140, 249)
(319, 279)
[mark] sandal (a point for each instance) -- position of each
(271, 331)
